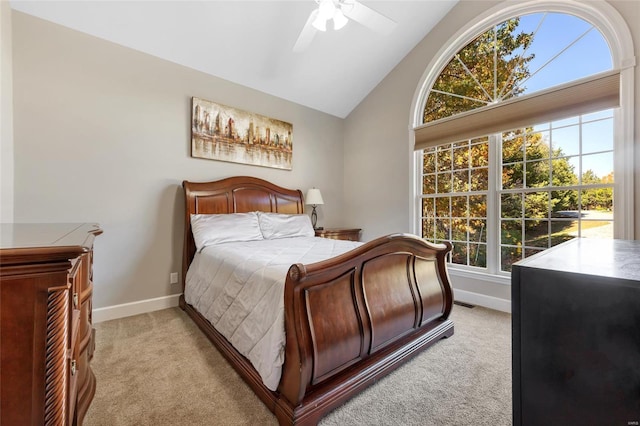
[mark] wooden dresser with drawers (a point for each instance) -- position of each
(46, 332)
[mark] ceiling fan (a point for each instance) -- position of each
(340, 11)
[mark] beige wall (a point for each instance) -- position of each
(6, 115)
(378, 157)
(102, 134)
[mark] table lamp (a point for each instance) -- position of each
(314, 199)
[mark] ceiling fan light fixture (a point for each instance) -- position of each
(326, 9)
(319, 23)
(341, 12)
(339, 20)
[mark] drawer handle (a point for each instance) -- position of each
(75, 300)
(73, 367)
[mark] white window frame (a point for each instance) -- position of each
(616, 32)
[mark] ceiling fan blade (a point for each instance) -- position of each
(306, 35)
(368, 17)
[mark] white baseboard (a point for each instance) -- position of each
(482, 300)
(135, 308)
(150, 305)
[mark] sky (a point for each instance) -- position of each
(581, 51)
(585, 54)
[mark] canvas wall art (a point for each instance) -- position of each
(224, 133)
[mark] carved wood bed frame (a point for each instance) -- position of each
(349, 320)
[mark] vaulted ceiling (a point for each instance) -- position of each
(250, 42)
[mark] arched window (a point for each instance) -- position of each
(520, 136)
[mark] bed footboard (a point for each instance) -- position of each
(352, 319)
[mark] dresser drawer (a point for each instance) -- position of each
(45, 297)
(350, 234)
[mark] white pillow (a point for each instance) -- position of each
(277, 225)
(223, 228)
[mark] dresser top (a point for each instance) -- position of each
(591, 256)
(23, 243)
(30, 235)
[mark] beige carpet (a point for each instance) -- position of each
(159, 369)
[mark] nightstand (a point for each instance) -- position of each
(350, 234)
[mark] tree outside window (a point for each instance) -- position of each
(554, 180)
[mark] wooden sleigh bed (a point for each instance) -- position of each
(349, 320)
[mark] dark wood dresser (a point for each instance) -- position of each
(576, 334)
(46, 333)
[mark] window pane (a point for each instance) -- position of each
(459, 253)
(537, 174)
(596, 229)
(429, 184)
(531, 251)
(511, 232)
(480, 155)
(459, 229)
(428, 228)
(600, 164)
(565, 141)
(508, 256)
(565, 171)
(478, 230)
(597, 218)
(512, 149)
(461, 181)
(442, 229)
(597, 136)
(536, 205)
(512, 177)
(478, 206)
(546, 49)
(564, 204)
(461, 158)
(562, 231)
(478, 255)
(600, 200)
(571, 121)
(442, 206)
(444, 158)
(511, 205)
(459, 206)
(536, 233)
(444, 183)
(598, 115)
(537, 146)
(429, 160)
(428, 207)
(570, 46)
(479, 179)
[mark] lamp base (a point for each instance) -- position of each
(314, 217)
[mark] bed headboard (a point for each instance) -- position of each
(238, 194)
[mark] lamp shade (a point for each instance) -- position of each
(314, 197)
(339, 20)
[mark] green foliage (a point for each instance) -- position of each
(596, 198)
(475, 64)
(490, 69)
(529, 162)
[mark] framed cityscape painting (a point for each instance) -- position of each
(224, 133)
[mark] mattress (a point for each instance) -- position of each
(239, 288)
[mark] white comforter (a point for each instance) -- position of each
(239, 288)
